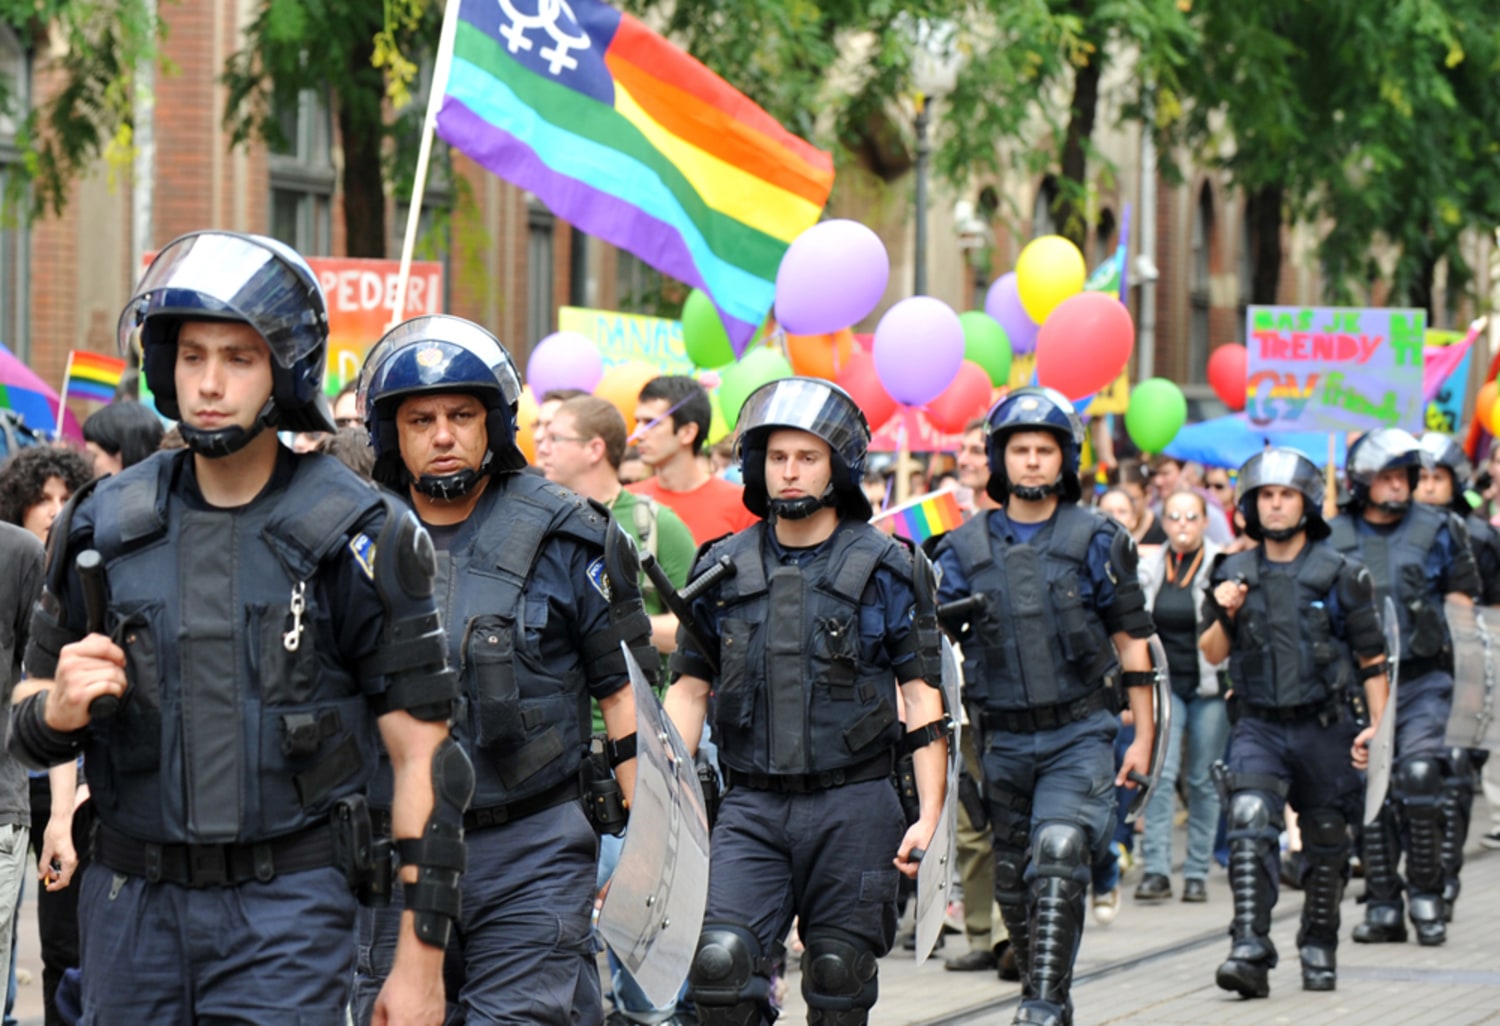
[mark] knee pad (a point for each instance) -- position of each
(1010, 876)
(729, 978)
(1251, 816)
(1419, 782)
(839, 971)
(1459, 763)
(1325, 833)
(1062, 850)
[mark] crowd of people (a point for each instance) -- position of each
(326, 708)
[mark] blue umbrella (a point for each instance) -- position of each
(1230, 441)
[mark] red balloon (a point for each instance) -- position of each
(1227, 368)
(968, 397)
(1084, 344)
(859, 379)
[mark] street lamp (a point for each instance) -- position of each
(935, 62)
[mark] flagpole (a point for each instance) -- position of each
(62, 401)
(441, 67)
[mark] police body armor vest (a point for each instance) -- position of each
(1398, 567)
(799, 691)
(526, 725)
(1035, 645)
(241, 722)
(1283, 654)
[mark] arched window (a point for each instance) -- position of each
(1198, 287)
(1106, 239)
(1042, 220)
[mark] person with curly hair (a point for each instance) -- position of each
(36, 482)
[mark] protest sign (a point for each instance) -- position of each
(1334, 368)
(623, 337)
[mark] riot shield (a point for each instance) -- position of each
(1161, 736)
(1383, 745)
(939, 865)
(653, 912)
(1475, 651)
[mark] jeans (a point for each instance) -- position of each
(1203, 724)
(13, 840)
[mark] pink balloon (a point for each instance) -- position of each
(1085, 344)
(564, 359)
(1003, 302)
(831, 276)
(919, 346)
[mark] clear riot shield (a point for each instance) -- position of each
(1161, 693)
(1476, 648)
(653, 912)
(939, 864)
(1383, 745)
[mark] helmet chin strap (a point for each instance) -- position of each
(229, 440)
(1036, 493)
(801, 508)
(446, 487)
(1397, 509)
(1282, 534)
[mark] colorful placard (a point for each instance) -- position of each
(623, 337)
(1445, 410)
(1316, 368)
(361, 295)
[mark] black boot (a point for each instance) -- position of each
(1251, 953)
(1325, 841)
(1384, 922)
(1424, 860)
(1458, 806)
(1057, 909)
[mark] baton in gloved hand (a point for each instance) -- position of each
(681, 602)
(90, 567)
(964, 610)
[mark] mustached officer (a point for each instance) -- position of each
(1445, 473)
(537, 587)
(1287, 615)
(822, 620)
(261, 614)
(1063, 627)
(1418, 556)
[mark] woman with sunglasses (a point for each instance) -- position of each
(1174, 579)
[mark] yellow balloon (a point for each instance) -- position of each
(526, 410)
(622, 384)
(1049, 270)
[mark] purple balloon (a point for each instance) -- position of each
(564, 359)
(831, 277)
(919, 347)
(1003, 302)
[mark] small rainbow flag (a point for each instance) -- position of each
(626, 137)
(92, 376)
(927, 515)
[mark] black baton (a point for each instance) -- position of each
(90, 567)
(681, 602)
(963, 610)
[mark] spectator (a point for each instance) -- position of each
(672, 419)
(633, 469)
(1133, 478)
(351, 447)
(35, 483)
(121, 435)
(547, 406)
(1118, 504)
(1166, 476)
(21, 556)
(346, 412)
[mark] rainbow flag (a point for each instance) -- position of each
(927, 515)
(92, 376)
(628, 138)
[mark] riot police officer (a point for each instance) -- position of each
(1445, 472)
(1062, 629)
(259, 611)
(1287, 614)
(822, 619)
(1418, 556)
(537, 589)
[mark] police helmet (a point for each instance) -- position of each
(1035, 409)
(821, 409)
(249, 279)
(1375, 452)
(433, 355)
(1291, 469)
(1440, 450)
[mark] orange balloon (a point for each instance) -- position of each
(820, 356)
(526, 410)
(1484, 405)
(621, 386)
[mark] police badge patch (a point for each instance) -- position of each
(599, 579)
(364, 553)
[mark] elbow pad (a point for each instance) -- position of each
(926, 634)
(628, 622)
(1362, 626)
(439, 854)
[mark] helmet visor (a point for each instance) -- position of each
(1286, 467)
(1385, 449)
(221, 276)
(811, 405)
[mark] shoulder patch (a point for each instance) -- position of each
(364, 553)
(598, 578)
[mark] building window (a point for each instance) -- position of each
(637, 285)
(13, 264)
(302, 176)
(1106, 239)
(1043, 222)
(1198, 288)
(540, 225)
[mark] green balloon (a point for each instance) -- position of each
(757, 367)
(1156, 413)
(703, 334)
(986, 343)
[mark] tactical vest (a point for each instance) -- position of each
(524, 719)
(1398, 566)
(243, 721)
(799, 689)
(1284, 653)
(1036, 644)
(1485, 541)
